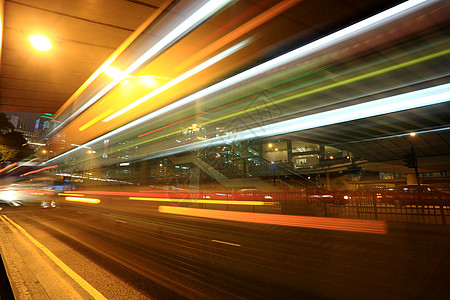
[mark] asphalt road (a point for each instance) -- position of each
(134, 252)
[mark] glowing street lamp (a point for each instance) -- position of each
(40, 42)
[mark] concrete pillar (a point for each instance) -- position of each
(194, 180)
(2, 20)
(411, 179)
(321, 152)
(328, 180)
(289, 152)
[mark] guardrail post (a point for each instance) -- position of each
(443, 218)
(357, 206)
(375, 209)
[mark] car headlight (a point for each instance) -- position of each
(9, 195)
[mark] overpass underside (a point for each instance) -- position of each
(253, 105)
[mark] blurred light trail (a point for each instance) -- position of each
(396, 135)
(420, 98)
(195, 19)
(352, 31)
(182, 196)
(430, 96)
(8, 166)
(240, 31)
(73, 195)
(365, 226)
(92, 178)
(192, 117)
(37, 144)
(113, 72)
(131, 38)
(179, 79)
(39, 170)
(222, 30)
(95, 120)
(22, 164)
(232, 202)
(83, 200)
(336, 84)
(226, 243)
(327, 41)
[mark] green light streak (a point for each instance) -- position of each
(307, 93)
(330, 86)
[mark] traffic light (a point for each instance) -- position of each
(410, 160)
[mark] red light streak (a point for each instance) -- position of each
(8, 166)
(35, 171)
(196, 116)
(365, 226)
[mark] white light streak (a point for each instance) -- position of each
(328, 41)
(206, 11)
(179, 79)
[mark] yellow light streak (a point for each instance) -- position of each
(115, 54)
(83, 200)
(18, 166)
(179, 79)
(330, 86)
(73, 195)
(366, 226)
(226, 243)
(95, 120)
(233, 202)
(37, 194)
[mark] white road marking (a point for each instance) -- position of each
(226, 243)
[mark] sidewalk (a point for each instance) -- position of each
(32, 271)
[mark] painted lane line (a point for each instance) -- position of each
(9, 225)
(78, 279)
(226, 243)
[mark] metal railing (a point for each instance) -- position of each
(407, 207)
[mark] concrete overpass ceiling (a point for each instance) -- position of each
(84, 33)
(387, 138)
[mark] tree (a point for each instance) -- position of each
(13, 145)
(8, 154)
(5, 125)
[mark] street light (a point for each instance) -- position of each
(40, 42)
